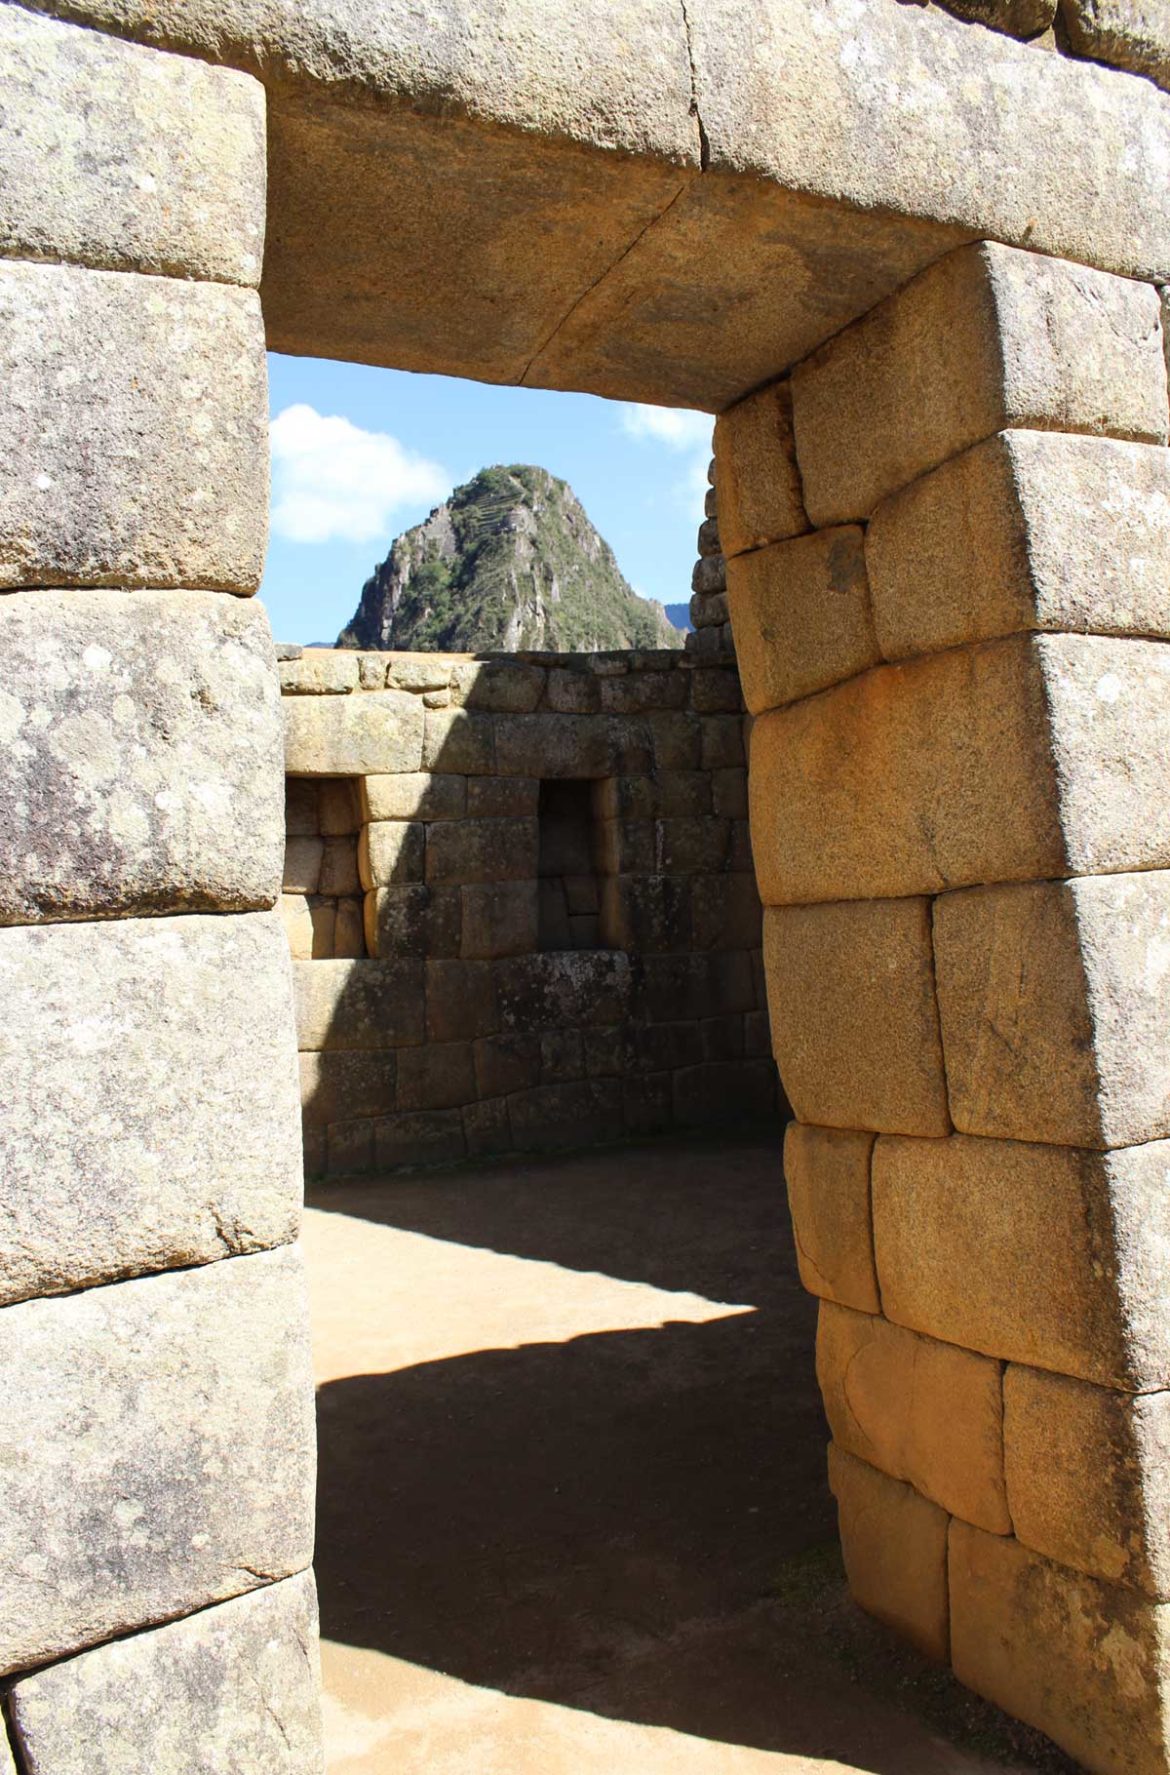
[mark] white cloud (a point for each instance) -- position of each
(677, 427)
(331, 479)
(684, 433)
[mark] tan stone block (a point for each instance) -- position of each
(985, 338)
(1087, 1472)
(758, 481)
(391, 851)
(919, 1410)
(895, 1548)
(241, 1681)
(360, 1004)
(376, 732)
(340, 806)
(349, 939)
(339, 867)
(319, 671)
(1046, 1255)
(1130, 34)
(1019, 18)
(88, 171)
(163, 1455)
(302, 811)
(827, 1173)
(339, 1084)
(461, 1000)
(801, 616)
(506, 686)
(854, 1021)
(896, 782)
(1055, 1006)
(414, 795)
(459, 742)
(417, 672)
(1027, 530)
(421, 1137)
(411, 918)
(302, 865)
(440, 1075)
(497, 798)
(135, 427)
(1083, 1661)
(297, 921)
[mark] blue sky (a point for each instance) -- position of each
(359, 455)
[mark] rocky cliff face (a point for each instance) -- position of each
(510, 562)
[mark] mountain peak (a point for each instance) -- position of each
(510, 562)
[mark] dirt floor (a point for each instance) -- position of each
(573, 1515)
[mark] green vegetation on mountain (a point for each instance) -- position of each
(510, 563)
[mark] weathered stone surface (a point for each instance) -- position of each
(801, 616)
(438, 1076)
(140, 764)
(896, 782)
(320, 671)
(390, 851)
(359, 1004)
(150, 1098)
(1046, 1255)
(1083, 1661)
(297, 922)
(162, 1457)
(499, 918)
(1054, 999)
(827, 1172)
(854, 1021)
(986, 338)
(917, 1409)
(414, 795)
(425, 1137)
(759, 483)
(372, 733)
(503, 686)
(340, 1084)
(498, 798)
(482, 850)
(7, 1766)
(1087, 1472)
(459, 741)
(895, 1547)
(233, 1687)
(1019, 18)
(302, 865)
(562, 990)
(1027, 530)
(135, 428)
(1130, 34)
(411, 918)
(88, 172)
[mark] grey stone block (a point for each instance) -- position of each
(141, 763)
(231, 1688)
(162, 1457)
(134, 431)
(150, 1098)
(367, 734)
(89, 171)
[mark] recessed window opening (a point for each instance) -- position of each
(321, 894)
(569, 906)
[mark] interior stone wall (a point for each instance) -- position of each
(520, 902)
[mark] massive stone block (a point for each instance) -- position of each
(140, 769)
(162, 1457)
(370, 733)
(150, 1098)
(759, 483)
(854, 1021)
(895, 1547)
(234, 1687)
(1046, 1255)
(1082, 1660)
(88, 168)
(1027, 530)
(1087, 1474)
(986, 338)
(896, 783)
(800, 613)
(827, 1172)
(917, 1409)
(360, 1003)
(134, 431)
(1055, 1007)
(391, 851)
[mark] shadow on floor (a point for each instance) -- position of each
(635, 1522)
